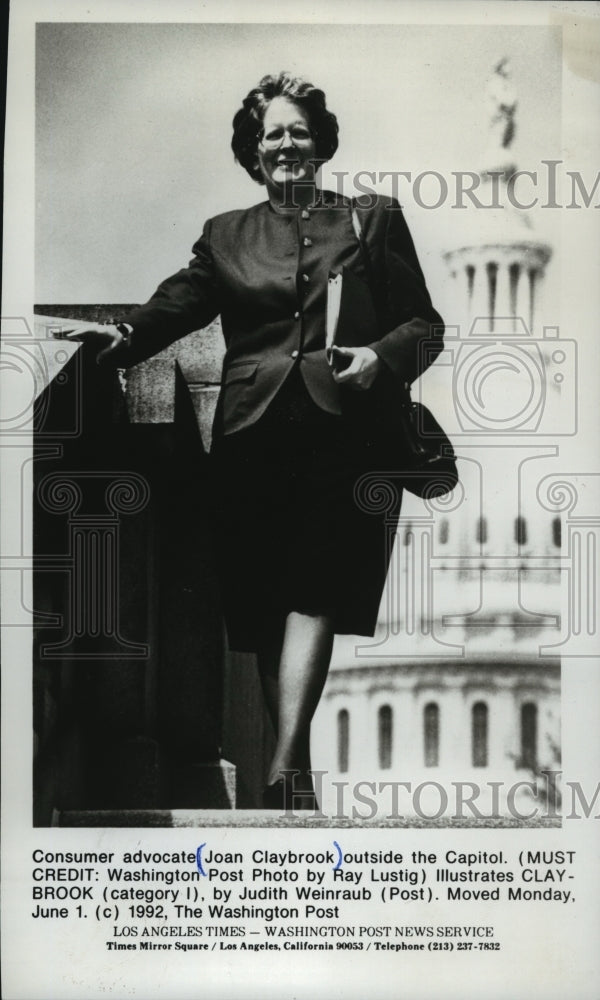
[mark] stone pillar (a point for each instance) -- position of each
(414, 742)
(363, 735)
(92, 661)
(503, 307)
(481, 302)
(465, 292)
(523, 305)
(144, 600)
(455, 728)
(538, 301)
(405, 729)
(501, 729)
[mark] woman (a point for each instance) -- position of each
(301, 561)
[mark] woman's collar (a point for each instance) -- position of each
(322, 199)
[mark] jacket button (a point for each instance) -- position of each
(305, 213)
(296, 315)
(294, 354)
(307, 242)
(305, 277)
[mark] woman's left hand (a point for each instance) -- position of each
(362, 370)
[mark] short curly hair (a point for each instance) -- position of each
(247, 122)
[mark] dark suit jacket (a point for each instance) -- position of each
(266, 274)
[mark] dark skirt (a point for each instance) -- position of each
(292, 535)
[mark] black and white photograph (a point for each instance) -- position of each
(299, 558)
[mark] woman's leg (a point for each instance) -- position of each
(302, 669)
(268, 659)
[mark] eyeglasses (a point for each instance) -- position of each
(299, 136)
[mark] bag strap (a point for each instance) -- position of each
(356, 223)
(358, 230)
(366, 257)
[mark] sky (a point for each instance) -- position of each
(133, 131)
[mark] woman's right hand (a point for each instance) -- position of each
(103, 337)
